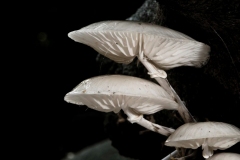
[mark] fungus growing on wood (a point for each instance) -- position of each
(225, 156)
(157, 47)
(133, 95)
(210, 135)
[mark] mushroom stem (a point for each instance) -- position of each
(207, 151)
(174, 154)
(133, 117)
(168, 157)
(157, 75)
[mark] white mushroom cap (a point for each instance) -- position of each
(210, 135)
(113, 92)
(133, 95)
(122, 41)
(225, 156)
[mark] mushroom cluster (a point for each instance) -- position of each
(158, 49)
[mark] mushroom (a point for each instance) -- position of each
(225, 156)
(157, 47)
(135, 96)
(210, 135)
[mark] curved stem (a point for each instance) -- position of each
(183, 111)
(134, 117)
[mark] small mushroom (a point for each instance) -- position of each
(133, 95)
(210, 135)
(157, 47)
(225, 156)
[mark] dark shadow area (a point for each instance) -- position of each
(48, 64)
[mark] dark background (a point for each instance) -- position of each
(45, 64)
(49, 65)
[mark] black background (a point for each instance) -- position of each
(48, 65)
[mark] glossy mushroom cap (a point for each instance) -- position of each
(225, 156)
(113, 92)
(210, 135)
(122, 41)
